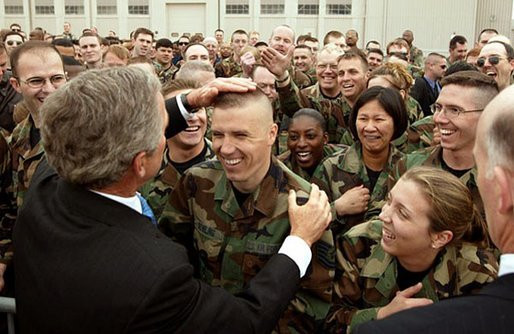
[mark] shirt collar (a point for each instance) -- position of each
(506, 264)
(132, 202)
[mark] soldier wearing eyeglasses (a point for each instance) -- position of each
(461, 101)
(496, 60)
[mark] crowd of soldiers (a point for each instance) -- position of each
(386, 132)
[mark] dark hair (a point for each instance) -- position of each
(301, 38)
(460, 66)
(163, 43)
(312, 113)
(457, 39)
(487, 30)
(375, 50)
(38, 47)
(144, 31)
(240, 32)
(91, 34)
(311, 39)
(471, 78)
(374, 41)
(10, 33)
(219, 29)
(332, 33)
(303, 46)
(37, 35)
(393, 104)
(355, 54)
(63, 42)
(261, 43)
(113, 40)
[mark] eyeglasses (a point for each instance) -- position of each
(11, 42)
(38, 82)
(451, 112)
(323, 67)
(443, 67)
(16, 30)
(493, 60)
(183, 43)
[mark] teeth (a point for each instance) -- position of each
(446, 132)
(303, 154)
(388, 235)
(491, 74)
(347, 86)
(232, 162)
(192, 128)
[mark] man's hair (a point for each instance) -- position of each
(333, 34)
(178, 84)
(140, 60)
(35, 47)
(475, 52)
(303, 46)
(119, 51)
(112, 40)
(261, 43)
(238, 100)
(196, 38)
(219, 29)
(193, 44)
(191, 68)
(14, 24)
(485, 86)
(91, 34)
(459, 66)
(499, 135)
(392, 103)
(313, 114)
(374, 41)
(487, 30)
(509, 51)
(398, 42)
(375, 50)
(284, 26)
(353, 30)
(311, 39)
(184, 36)
(64, 42)
(92, 129)
(254, 69)
(457, 39)
(239, 32)
(10, 33)
(163, 43)
(331, 48)
(355, 54)
(37, 35)
(144, 31)
(301, 38)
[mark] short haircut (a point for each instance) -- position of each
(119, 51)
(485, 86)
(144, 31)
(91, 34)
(487, 30)
(333, 34)
(112, 40)
(508, 48)
(163, 43)
(355, 55)
(191, 68)
(219, 29)
(398, 42)
(254, 69)
(393, 104)
(178, 84)
(11, 33)
(62, 42)
(459, 66)
(457, 39)
(238, 32)
(499, 135)
(331, 48)
(375, 50)
(311, 39)
(193, 44)
(14, 25)
(104, 41)
(77, 111)
(240, 100)
(303, 46)
(301, 39)
(184, 36)
(261, 43)
(284, 26)
(313, 114)
(34, 47)
(37, 35)
(374, 41)
(353, 30)
(196, 38)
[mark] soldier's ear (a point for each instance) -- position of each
(441, 239)
(272, 134)
(503, 190)
(15, 84)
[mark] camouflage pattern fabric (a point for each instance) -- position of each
(414, 110)
(415, 71)
(300, 79)
(229, 244)
(290, 162)
(157, 190)
(25, 158)
(366, 276)
(416, 57)
(311, 73)
(420, 134)
(335, 111)
(227, 68)
(7, 201)
(433, 156)
(346, 170)
(165, 74)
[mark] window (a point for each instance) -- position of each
(138, 7)
(45, 10)
(106, 7)
(308, 7)
(13, 7)
(240, 7)
(73, 7)
(272, 7)
(339, 7)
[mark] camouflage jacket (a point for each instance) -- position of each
(25, 158)
(335, 111)
(366, 276)
(229, 244)
(414, 110)
(346, 170)
(156, 191)
(416, 57)
(420, 134)
(311, 73)
(227, 68)
(433, 156)
(415, 71)
(7, 201)
(291, 163)
(165, 74)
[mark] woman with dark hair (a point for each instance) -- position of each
(355, 179)
(307, 143)
(423, 248)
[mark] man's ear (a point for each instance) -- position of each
(273, 131)
(139, 164)
(504, 190)
(15, 84)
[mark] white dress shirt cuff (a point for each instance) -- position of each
(185, 113)
(297, 250)
(506, 264)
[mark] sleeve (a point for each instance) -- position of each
(291, 99)
(177, 122)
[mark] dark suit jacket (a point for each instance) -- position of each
(424, 94)
(87, 264)
(491, 311)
